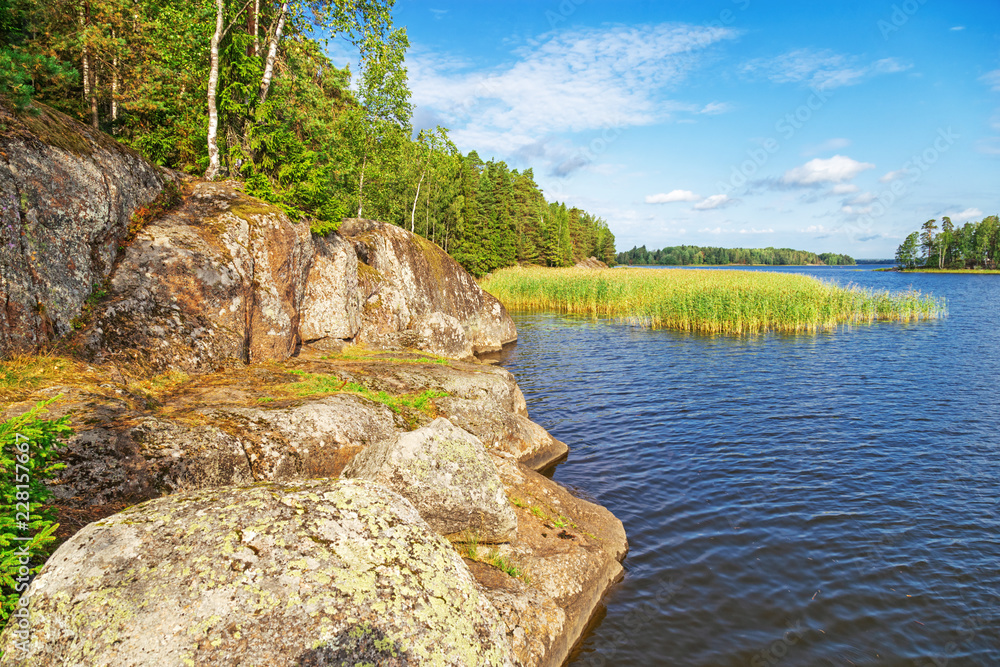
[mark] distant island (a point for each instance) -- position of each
(691, 255)
(975, 246)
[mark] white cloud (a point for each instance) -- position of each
(892, 176)
(814, 229)
(992, 79)
(844, 189)
(715, 201)
(715, 232)
(862, 199)
(837, 169)
(581, 80)
(439, 13)
(672, 196)
(856, 210)
(957, 28)
(966, 215)
(756, 231)
(822, 70)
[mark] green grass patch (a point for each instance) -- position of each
(359, 354)
(313, 384)
(731, 302)
(469, 547)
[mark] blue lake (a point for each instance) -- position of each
(809, 499)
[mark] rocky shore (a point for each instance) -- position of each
(291, 451)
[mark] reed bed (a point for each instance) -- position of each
(733, 302)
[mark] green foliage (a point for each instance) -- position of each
(28, 448)
(689, 255)
(21, 69)
(974, 245)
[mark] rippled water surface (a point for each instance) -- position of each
(827, 499)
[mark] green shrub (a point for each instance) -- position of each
(28, 448)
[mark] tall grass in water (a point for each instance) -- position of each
(736, 302)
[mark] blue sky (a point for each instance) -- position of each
(825, 126)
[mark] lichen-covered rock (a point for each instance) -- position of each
(331, 310)
(405, 277)
(571, 549)
(279, 575)
(67, 192)
(447, 475)
(220, 279)
(443, 335)
(317, 438)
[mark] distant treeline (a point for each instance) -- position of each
(973, 245)
(691, 255)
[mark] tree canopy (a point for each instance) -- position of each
(973, 245)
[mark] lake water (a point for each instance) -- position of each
(826, 499)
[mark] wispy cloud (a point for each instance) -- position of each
(671, 197)
(837, 169)
(892, 176)
(716, 108)
(836, 144)
(563, 82)
(992, 79)
(966, 215)
(822, 70)
(754, 230)
(715, 201)
(957, 28)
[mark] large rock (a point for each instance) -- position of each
(220, 279)
(67, 193)
(447, 475)
(318, 573)
(121, 453)
(331, 310)
(483, 400)
(405, 278)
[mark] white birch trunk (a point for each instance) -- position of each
(272, 54)
(114, 83)
(256, 28)
(213, 84)
(361, 187)
(413, 212)
(85, 58)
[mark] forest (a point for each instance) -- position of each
(690, 255)
(244, 89)
(974, 245)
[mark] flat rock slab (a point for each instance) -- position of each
(318, 573)
(447, 475)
